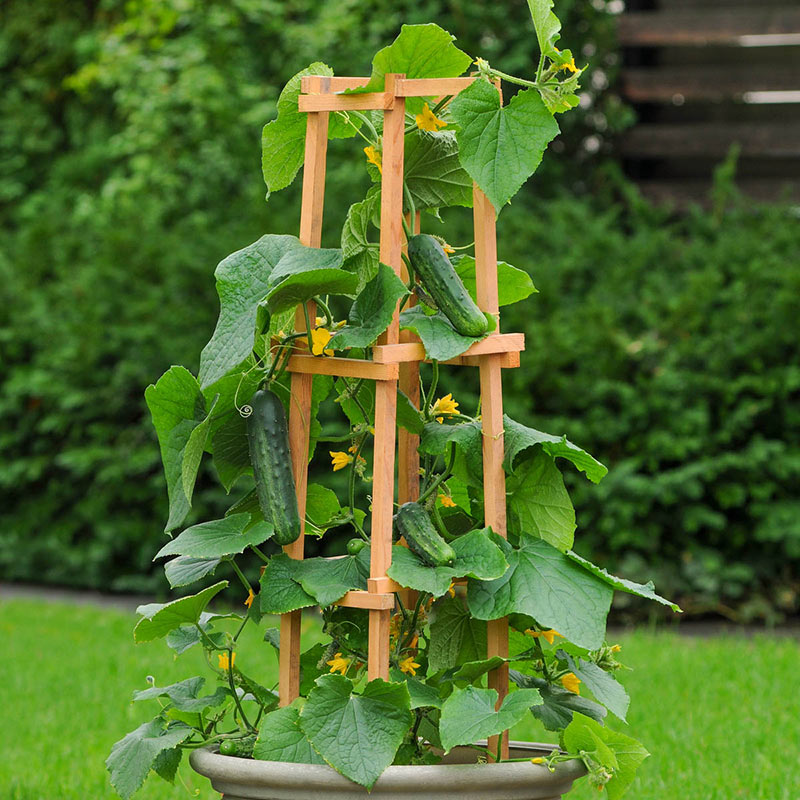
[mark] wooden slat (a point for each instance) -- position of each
(337, 84)
(698, 28)
(712, 140)
(431, 87)
(383, 585)
(345, 102)
(414, 351)
(342, 367)
(666, 84)
(374, 602)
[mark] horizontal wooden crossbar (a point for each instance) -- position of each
(380, 101)
(358, 598)
(383, 586)
(414, 351)
(343, 367)
(430, 87)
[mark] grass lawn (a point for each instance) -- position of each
(721, 716)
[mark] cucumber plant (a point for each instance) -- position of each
(462, 573)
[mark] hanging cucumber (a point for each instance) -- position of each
(412, 522)
(242, 747)
(440, 279)
(268, 439)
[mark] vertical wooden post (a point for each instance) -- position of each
(391, 243)
(300, 408)
(494, 479)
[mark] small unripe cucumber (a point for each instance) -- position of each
(238, 747)
(268, 438)
(441, 281)
(412, 522)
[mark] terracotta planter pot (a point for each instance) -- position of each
(458, 778)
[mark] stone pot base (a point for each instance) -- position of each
(457, 778)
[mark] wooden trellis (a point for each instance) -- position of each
(395, 363)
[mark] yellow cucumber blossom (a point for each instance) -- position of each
(374, 157)
(339, 663)
(538, 760)
(339, 460)
(428, 121)
(571, 682)
(223, 660)
(548, 635)
(250, 598)
(446, 500)
(443, 407)
(451, 589)
(448, 248)
(408, 665)
(319, 342)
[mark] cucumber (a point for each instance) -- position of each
(268, 439)
(412, 522)
(243, 747)
(440, 279)
(355, 546)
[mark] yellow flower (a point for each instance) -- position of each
(443, 406)
(250, 597)
(223, 660)
(448, 249)
(339, 459)
(339, 663)
(570, 66)
(319, 340)
(446, 500)
(537, 761)
(571, 682)
(428, 121)
(374, 157)
(451, 589)
(409, 666)
(548, 635)
(616, 648)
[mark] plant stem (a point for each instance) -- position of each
(233, 690)
(308, 328)
(259, 553)
(326, 311)
(241, 576)
(442, 476)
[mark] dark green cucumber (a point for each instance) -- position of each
(268, 438)
(242, 747)
(441, 281)
(412, 522)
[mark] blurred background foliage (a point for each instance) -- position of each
(129, 166)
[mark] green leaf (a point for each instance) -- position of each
(548, 586)
(419, 51)
(283, 140)
(584, 734)
(158, 619)
(513, 284)
(231, 452)
(217, 538)
(304, 272)
(281, 591)
(183, 570)
(327, 579)
(455, 636)
(408, 415)
(646, 590)
(280, 738)
(469, 714)
(132, 757)
(357, 734)
(242, 281)
(310, 668)
(470, 672)
(177, 407)
(372, 311)
(468, 439)
(546, 23)
(539, 504)
(360, 254)
(422, 695)
(501, 146)
(322, 509)
(476, 556)
(602, 685)
(433, 171)
(440, 338)
(193, 453)
(558, 704)
(519, 438)
(167, 763)
(185, 695)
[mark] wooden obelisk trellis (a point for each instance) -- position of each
(395, 361)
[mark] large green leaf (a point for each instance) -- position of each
(440, 338)
(408, 415)
(280, 738)
(419, 51)
(501, 146)
(357, 734)
(217, 538)
(513, 284)
(433, 171)
(231, 452)
(422, 695)
(602, 685)
(477, 556)
(158, 619)
(242, 281)
(183, 570)
(193, 453)
(327, 579)
(468, 439)
(469, 714)
(546, 23)
(455, 636)
(281, 591)
(548, 586)
(372, 310)
(626, 754)
(177, 407)
(539, 504)
(132, 757)
(185, 695)
(646, 590)
(322, 509)
(519, 438)
(361, 255)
